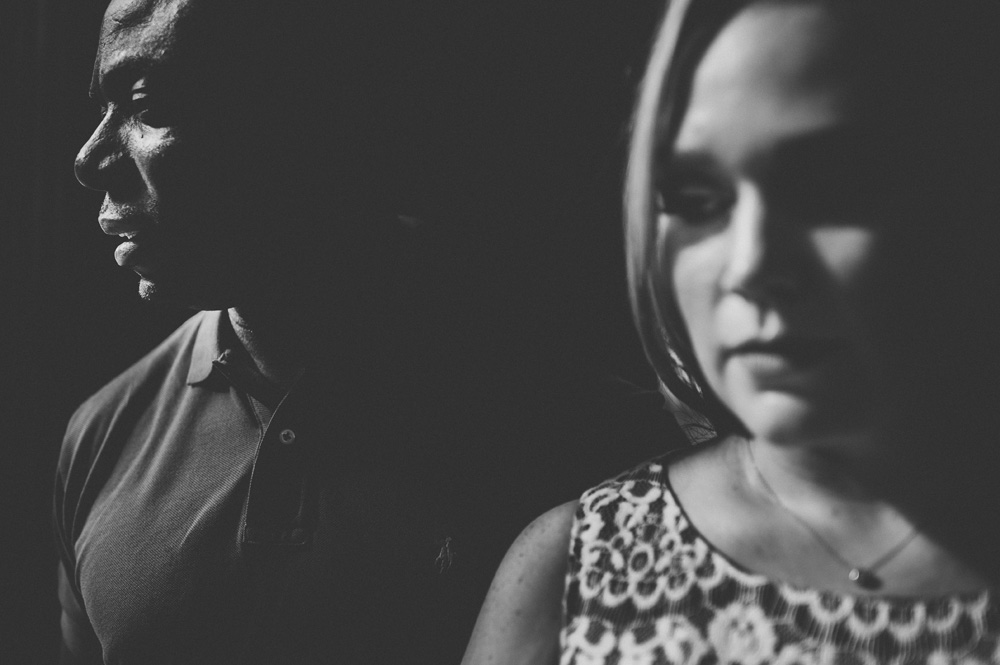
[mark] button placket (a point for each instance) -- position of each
(279, 507)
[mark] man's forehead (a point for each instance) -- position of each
(129, 21)
(137, 36)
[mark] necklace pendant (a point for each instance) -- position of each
(865, 579)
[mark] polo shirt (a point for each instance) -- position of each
(202, 515)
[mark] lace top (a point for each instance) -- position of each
(645, 587)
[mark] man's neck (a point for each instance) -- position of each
(275, 349)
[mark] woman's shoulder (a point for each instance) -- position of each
(534, 567)
(522, 614)
(547, 534)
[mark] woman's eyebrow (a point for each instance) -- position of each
(842, 141)
(847, 140)
(686, 160)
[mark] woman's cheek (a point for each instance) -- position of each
(695, 291)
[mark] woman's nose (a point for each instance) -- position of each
(761, 260)
(99, 157)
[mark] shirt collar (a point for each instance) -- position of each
(208, 345)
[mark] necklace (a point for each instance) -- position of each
(863, 576)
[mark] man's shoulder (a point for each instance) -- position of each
(168, 363)
(152, 368)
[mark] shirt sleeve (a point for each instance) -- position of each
(79, 643)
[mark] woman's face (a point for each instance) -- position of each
(773, 219)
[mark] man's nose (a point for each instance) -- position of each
(99, 157)
(761, 260)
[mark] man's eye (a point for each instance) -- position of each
(147, 109)
(693, 202)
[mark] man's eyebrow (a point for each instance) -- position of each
(118, 77)
(95, 84)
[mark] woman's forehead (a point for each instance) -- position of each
(771, 41)
(774, 70)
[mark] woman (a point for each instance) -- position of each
(810, 209)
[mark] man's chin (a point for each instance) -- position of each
(169, 292)
(155, 292)
(148, 290)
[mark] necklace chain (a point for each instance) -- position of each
(863, 576)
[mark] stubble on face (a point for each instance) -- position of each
(168, 182)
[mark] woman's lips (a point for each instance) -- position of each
(784, 355)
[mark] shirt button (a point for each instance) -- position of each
(287, 437)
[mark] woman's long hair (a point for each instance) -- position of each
(687, 29)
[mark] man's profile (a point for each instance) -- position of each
(259, 488)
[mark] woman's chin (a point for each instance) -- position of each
(787, 418)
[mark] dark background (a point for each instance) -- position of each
(520, 156)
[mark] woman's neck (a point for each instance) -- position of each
(865, 506)
(811, 518)
(826, 472)
(821, 486)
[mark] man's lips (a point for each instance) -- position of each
(134, 252)
(121, 226)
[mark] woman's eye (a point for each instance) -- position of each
(693, 202)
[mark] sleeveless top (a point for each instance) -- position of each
(644, 587)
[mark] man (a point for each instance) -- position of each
(248, 491)
(310, 470)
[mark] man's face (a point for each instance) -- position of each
(163, 155)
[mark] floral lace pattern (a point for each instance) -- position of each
(644, 587)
